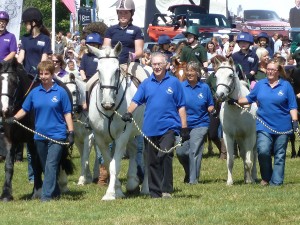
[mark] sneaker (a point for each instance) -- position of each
(166, 195)
(264, 183)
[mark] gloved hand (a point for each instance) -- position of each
(205, 69)
(127, 117)
(295, 126)
(185, 134)
(232, 101)
(10, 120)
(214, 113)
(71, 138)
(132, 56)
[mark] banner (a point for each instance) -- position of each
(14, 9)
(84, 16)
(70, 5)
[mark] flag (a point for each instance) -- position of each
(70, 5)
(14, 9)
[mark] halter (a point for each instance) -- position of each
(230, 87)
(77, 108)
(116, 88)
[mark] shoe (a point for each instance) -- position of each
(264, 183)
(166, 195)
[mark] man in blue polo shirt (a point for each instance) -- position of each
(245, 57)
(164, 117)
(8, 43)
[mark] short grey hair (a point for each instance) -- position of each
(160, 54)
(194, 66)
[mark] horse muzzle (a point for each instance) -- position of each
(220, 97)
(108, 105)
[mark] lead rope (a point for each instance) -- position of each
(263, 123)
(33, 131)
(157, 148)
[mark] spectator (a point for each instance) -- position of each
(146, 60)
(225, 43)
(211, 52)
(294, 18)
(59, 66)
(59, 45)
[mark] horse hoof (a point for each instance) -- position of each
(7, 198)
(108, 197)
(229, 183)
(293, 156)
(135, 191)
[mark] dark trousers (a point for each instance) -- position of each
(160, 165)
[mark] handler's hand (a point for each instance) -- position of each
(185, 134)
(232, 101)
(127, 117)
(295, 126)
(10, 120)
(71, 138)
(214, 113)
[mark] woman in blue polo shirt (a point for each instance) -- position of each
(53, 118)
(277, 108)
(131, 37)
(199, 103)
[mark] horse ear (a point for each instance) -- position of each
(72, 76)
(231, 61)
(118, 48)
(94, 51)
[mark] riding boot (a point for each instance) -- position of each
(223, 151)
(103, 176)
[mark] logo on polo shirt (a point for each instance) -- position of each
(129, 31)
(280, 93)
(41, 43)
(7, 40)
(250, 59)
(169, 91)
(54, 99)
(200, 95)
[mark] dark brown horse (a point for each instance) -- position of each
(179, 69)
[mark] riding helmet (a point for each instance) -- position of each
(94, 38)
(164, 39)
(125, 5)
(4, 16)
(32, 14)
(192, 30)
(263, 35)
(245, 36)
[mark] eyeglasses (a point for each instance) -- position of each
(272, 70)
(231, 45)
(55, 61)
(157, 64)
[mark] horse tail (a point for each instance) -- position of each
(66, 162)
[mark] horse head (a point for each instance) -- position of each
(10, 85)
(179, 69)
(76, 91)
(109, 74)
(226, 80)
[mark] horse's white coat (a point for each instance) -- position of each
(105, 101)
(84, 138)
(237, 124)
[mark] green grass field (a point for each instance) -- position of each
(209, 202)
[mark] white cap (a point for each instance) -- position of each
(225, 36)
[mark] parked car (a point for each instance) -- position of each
(256, 21)
(174, 25)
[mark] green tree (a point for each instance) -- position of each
(62, 13)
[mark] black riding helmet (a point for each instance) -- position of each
(32, 15)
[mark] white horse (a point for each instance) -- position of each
(84, 138)
(238, 125)
(114, 92)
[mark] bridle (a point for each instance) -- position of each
(77, 108)
(231, 86)
(115, 88)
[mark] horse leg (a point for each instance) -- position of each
(37, 171)
(292, 140)
(96, 169)
(229, 143)
(9, 171)
(145, 185)
(209, 145)
(254, 170)
(132, 178)
(246, 148)
(63, 181)
(86, 146)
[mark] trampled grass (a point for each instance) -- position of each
(209, 202)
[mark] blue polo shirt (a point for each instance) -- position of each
(49, 110)
(198, 99)
(8, 44)
(34, 49)
(274, 105)
(89, 64)
(162, 99)
(248, 61)
(126, 36)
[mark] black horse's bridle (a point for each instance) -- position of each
(77, 107)
(231, 86)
